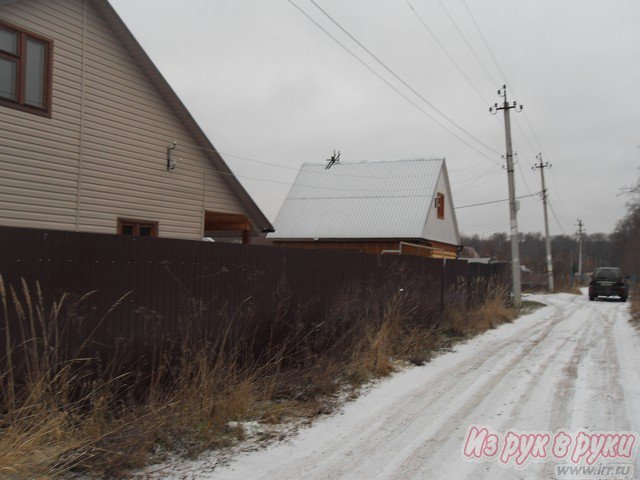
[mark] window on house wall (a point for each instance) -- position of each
(137, 228)
(440, 205)
(25, 70)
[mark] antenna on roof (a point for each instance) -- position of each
(335, 158)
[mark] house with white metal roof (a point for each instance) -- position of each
(384, 207)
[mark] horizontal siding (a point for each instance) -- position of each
(126, 127)
(39, 158)
(28, 220)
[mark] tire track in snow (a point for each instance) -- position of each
(396, 420)
(552, 364)
(536, 346)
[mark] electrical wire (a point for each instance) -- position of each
(473, 86)
(524, 180)
(493, 82)
(555, 216)
(471, 167)
(526, 118)
(317, 187)
(398, 77)
(495, 61)
(522, 176)
(482, 179)
(496, 201)
(557, 193)
(444, 49)
(475, 178)
(322, 172)
(393, 87)
(486, 44)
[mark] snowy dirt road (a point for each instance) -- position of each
(571, 365)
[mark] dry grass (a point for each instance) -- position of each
(574, 290)
(490, 313)
(564, 284)
(62, 415)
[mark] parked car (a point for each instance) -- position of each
(609, 282)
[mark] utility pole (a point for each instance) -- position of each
(580, 233)
(513, 207)
(541, 166)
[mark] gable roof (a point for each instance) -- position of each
(360, 200)
(256, 217)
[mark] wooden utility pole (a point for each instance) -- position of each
(541, 166)
(513, 207)
(580, 233)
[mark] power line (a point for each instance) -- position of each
(524, 180)
(422, 21)
(504, 76)
(496, 201)
(317, 187)
(486, 44)
(393, 87)
(526, 118)
(444, 49)
(405, 83)
(322, 172)
(296, 169)
(495, 60)
(467, 168)
(557, 191)
(555, 217)
(468, 44)
(289, 167)
(526, 137)
(482, 179)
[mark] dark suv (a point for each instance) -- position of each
(608, 282)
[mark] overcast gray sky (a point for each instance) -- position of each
(265, 83)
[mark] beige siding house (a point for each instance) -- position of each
(87, 132)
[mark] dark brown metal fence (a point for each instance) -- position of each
(162, 287)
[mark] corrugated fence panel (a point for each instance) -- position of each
(167, 288)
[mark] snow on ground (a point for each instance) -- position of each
(572, 365)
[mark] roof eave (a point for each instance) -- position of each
(354, 239)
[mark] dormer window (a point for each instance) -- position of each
(25, 70)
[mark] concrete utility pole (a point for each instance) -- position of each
(541, 166)
(513, 207)
(580, 233)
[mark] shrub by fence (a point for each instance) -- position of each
(133, 298)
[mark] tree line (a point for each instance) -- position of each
(598, 250)
(619, 248)
(626, 236)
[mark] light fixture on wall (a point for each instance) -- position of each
(171, 164)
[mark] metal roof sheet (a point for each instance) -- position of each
(389, 199)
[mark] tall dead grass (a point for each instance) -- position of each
(65, 410)
(493, 310)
